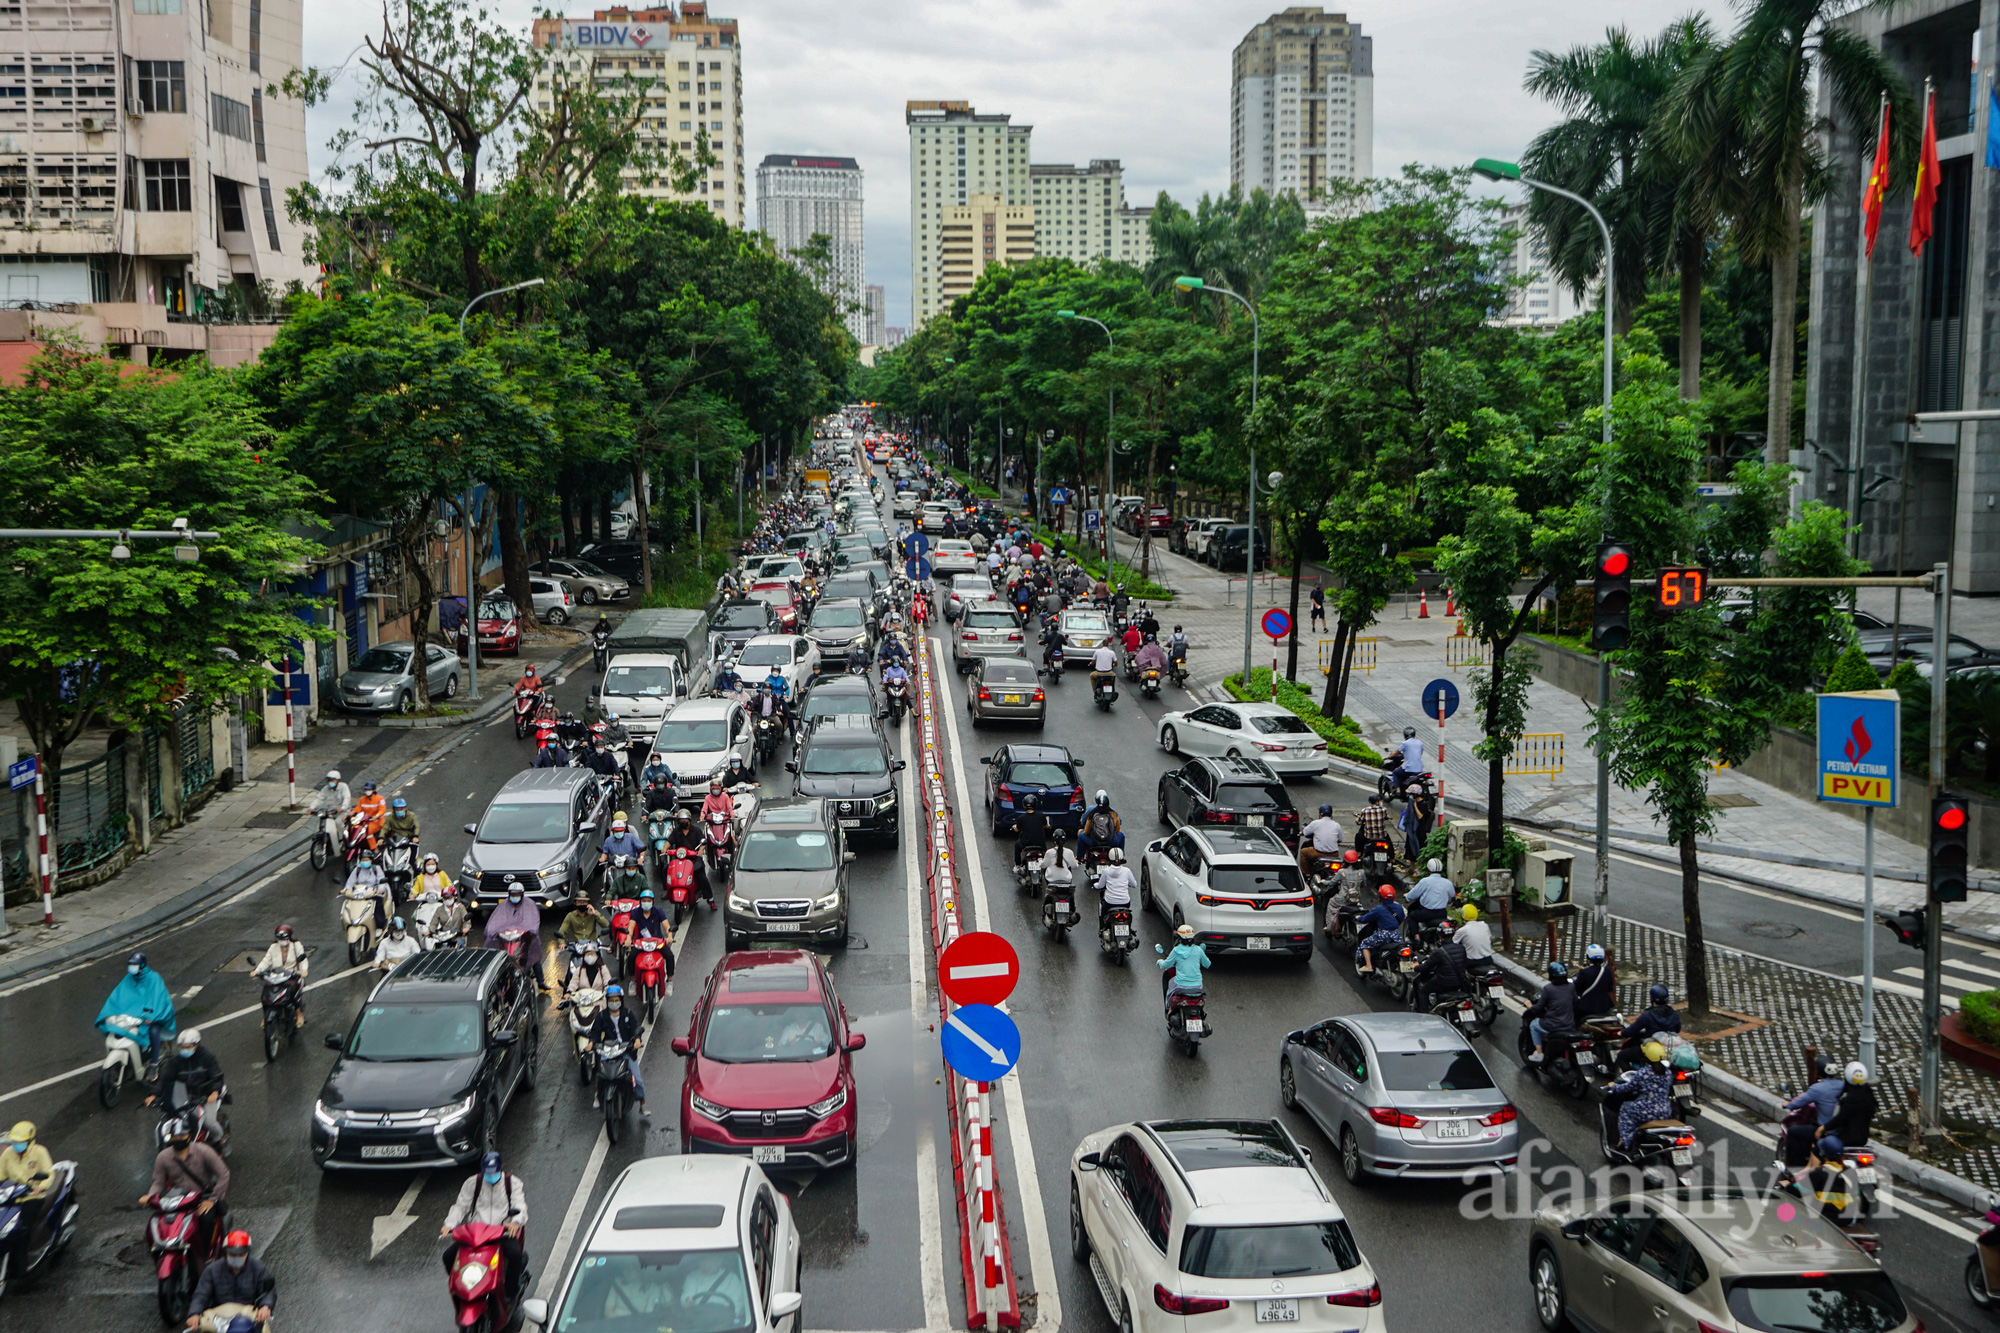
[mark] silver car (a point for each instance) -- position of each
(1402, 1095)
(382, 681)
(587, 583)
(986, 631)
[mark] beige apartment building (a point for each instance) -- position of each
(143, 173)
(983, 230)
(1080, 213)
(691, 67)
(956, 154)
(1302, 105)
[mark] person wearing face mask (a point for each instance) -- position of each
(235, 1279)
(367, 874)
(191, 1081)
(517, 912)
(590, 972)
(496, 1197)
(26, 1162)
(141, 994)
(615, 1022)
(187, 1165)
(397, 945)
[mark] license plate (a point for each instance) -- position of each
(1278, 1312)
(781, 927)
(1585, 1058)
(1010, 698)
(850, 823)
(768, 1156)
(1867, 1174)
(1257, 821)
(1408, 966)
(1196, 1025)
(1121, 930)
(1683, 1157)
(1258, 942)
(1454, 1129)
(1465, 1016)
(374, 1151)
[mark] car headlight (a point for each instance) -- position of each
(324, 1118)
(825, 1107)
(703, 1106)
(886, 801)
(858, 640)
(445, 1115)
(467, 870)
(385, 689)
(826, 904)
(737, 904)
(550, 872)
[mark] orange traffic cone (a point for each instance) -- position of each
(1423, 604)
(1450, 603)
(1459, 633)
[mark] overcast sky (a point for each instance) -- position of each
(1147, 84)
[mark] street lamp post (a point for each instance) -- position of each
(1110, 419)
(1600, 908)
(471, 559)
(1191, 284)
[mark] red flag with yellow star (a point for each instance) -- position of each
(1878, 183)
(1927, 179)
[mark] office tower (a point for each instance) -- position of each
(799, 198)
(1080, 213)
(983, 230)
(955, 155)
(874, 331)
(1546, 300)
(1302, 105)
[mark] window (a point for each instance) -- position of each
(1616, 1227)
(1661, 1254)
(229, 116)
(1148, 1194)
(1347, 1055)
(229, 205)
(169, 186)
(156, 6)
(256, 35)
(270, 215)
(160, 85)
(763, 1239)
(132, 184)
(257, 120)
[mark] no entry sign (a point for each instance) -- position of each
(1277, 624)
(979, 968)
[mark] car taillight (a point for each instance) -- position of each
(1287, 817)
(985, 695)
(1505, 1115)
(1389, 1115)
(1274, 748)
(1040, 695)
(1005, 792)
(1076, 799)
(1185, 1305)
(1366, 1298)
(1014, 637)
(1218, 817)
(969, 637)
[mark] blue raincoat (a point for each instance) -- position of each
(144, 997)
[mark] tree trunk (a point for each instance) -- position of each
(639, 524)
(514, 559)
(567, 501)
(583, 537)
(1496, 769)
(1330, 697)
(1292, 650)
(604, 515)
(1784, 332)
(1345, 671)
(1697, 953)
(1694, 248)
(413, 541)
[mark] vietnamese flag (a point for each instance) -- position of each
(1878, 183)
(1927, 178)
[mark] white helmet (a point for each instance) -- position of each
(1116, 856)
(1184, 930)
(333, 775)
(1434, 866)
(1857, 1072)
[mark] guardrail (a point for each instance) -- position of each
(990, 1299)
(1364, 655)
(1537, 752)
(1459, 652)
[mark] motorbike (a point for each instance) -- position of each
(583, 1004)
(26, 1251)
(624, 878)
(770, 730)
(478, 1282)
(1132, 666)
(442, 936)
(621, 910)
(1116, 936)
(360, 842)
(1394, 783)
(181, 1242)
(124, 1057)
(898, 695)
(1379, 857)
(280, 1003)
(357, 919)
(650, 972)
(1028, 869)
(518, 945)
(719, 846)
(680, 888)
(1059, 909)
(399, 866)
(1104, 691)
(1187, 1017)
(326, 845)
(1343, 932)
(614, 1085)
(1393, 969)
(1489, 988)
(1149, 684)
(1982, 1266)
(600, 647)
(1664, 1143)
(1571, 1061)
(1458, 1008)
(1177, 670)
(525, 704)
(216, 1137)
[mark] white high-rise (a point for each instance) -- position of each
(955, 156)
(799, 198)
(1080, 213)
(1302, 105)
(1546, 300)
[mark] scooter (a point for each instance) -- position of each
(621, 910)
(1187, 1016)
(614, 1085)
(1028, 870)
(1458, 1008)
(25, 1251)
(1059, 908)
(525, 705)
(124, 1057)
(181, 1242)
(1177, 670)
(1104, 691)
(326, 844)
(357, 919)
(1489, 988)
(280, 1003)
(1116, 935)
(1982, 1266)
(1571, 1061)
(583, 1004)
(898, 694)
(770, 730)
(600, 646)
(1132, 666)
(399, 866)
(478, 1284)
(440, 937)
(650, 969)
(1665, 1143)
(719, 845)
(517, 946)
(680, 885)
(191, 1111)
(1149, 683)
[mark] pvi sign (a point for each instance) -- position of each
(606, 34)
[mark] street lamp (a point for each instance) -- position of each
(1109, 419)
(1191, 284)
(1600, 909)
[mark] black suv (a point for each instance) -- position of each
(740, 620)
(845, 761)
(424, 1075)
(846, 694)
(1244, 792)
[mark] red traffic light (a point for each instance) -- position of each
(1615, 563)
(1951, 817)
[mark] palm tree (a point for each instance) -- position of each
(1232, 240)
(1608, 152)
(1742, 119)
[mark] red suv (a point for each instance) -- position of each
(778, 594)
(769, 1067)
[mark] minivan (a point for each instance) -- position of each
(537, 833)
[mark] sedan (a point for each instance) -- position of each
(1045, 772)
(383, 679)
(1005, 689)
(499, 627)
(1265, 731)
(620, 559)
(1083, 630)
(587, 582)
(766, 567)
(968, 590)
(1404, 1095)
(954, 557)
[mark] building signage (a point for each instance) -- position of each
(630, 35)
(1860, 737)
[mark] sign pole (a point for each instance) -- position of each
(42, 835)
(291, 769)
(1927, 1081)
(1868, 939)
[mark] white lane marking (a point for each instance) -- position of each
(190, 992)
(930, 1215)
(1034, 1221)
(1964, 966)
(965, 973)
(1903, 988)
(383, 1231)
(1918, 973)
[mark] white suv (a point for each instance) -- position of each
(1219, 1218)
(1238, 887)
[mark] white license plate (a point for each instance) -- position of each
(1454, 1129)
(781, 927)
(374, 1151)
(1010, 698)
(850, 823)
(1121, 930)
(1257, 942)
(774, 1156)
(1683, 1157)
(1196, 1025)
(1408, 965)
(1465, 1016)
(1278, 1312)
(1257, 821)
(1867, 1174)
(1586, 1058)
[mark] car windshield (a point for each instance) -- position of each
(766, 654)
(387, 661)
(839, 617)
(765, 1033)
(650, 680)
(699, 1291)
(766, 849)
(1000, 671)
(692, 735)
(496, 610)
(857, 586)
(742, 617)
(1040, 775)
(1085, 625)
(415, 1032)
(1830, 1303)
(833, 761)
(542, 821)
(1432, 1071)
(1287, 724)
(588, 570)
(1251, 796)
(1255, 881)
(1293, 1249)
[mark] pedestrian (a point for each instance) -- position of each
(1318, 607)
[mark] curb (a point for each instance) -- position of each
(1965, 1193)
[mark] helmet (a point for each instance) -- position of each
(1659, 994)
(618, 824)
(714, 783)
(683, 815)
(1101, 799)
(399, 804)
(1385, 893)
(1177, 629)
(1471, 912)
(1116, 856)
(430, 858)
(645, 894)
(178, 1131)
(1351, 857)
(1556, 971)
(1326, 810)
(1057, 835)
(1830, 1148)
(1595, 953)
(368, 786)
(23, 1132)
(1829, 1067)
(283, 932)
(188, 1037)
(1653, 1051)
(397, 925)
(613, 991)
(1184, 930)
(333, 775)
(1409, 733)
(136, 960)
(1434, 866)
(1027, 803)
(490, 1162)
(236, 1243)
(611, 717)
(1856, 1073)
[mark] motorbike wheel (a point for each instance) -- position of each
(652, 1003)
(110, 1082)
(322, 851)
(274, 1034)
(614, 1114)
(174, 1291)
(1975, 1283)
(354, 953)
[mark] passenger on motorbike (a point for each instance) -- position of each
(1319, 840)
(496, 1197)
(367, 875)
(614, 1022)
(1658, 1016)
(396, 945)
(1380, 927)
(1101, 826)
(1554, 1010)
(1058, 863)
(1853, 1110)
(235, 1279)
(141, 994)
(656, 785)
(1646, 1093)
(1115, 883)
(1596, 985)
(286, 954)
(1442, 971)
(1475, 937)
(1181, 968)
(185, 1164)
(1031, 829)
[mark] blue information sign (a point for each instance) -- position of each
(1058, 495)
(21, 773)
(1860, 735)
(1440, 696)
(917, 568)
(1090, 520)
(980, 1042)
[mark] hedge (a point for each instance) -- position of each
(1343, 738)
(1980, 1013)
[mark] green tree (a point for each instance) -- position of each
(1852, 672)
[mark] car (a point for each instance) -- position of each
(551, 600)
(969, 590)
(1201, 536)
(782, 598)
(671, 1222)
(953, 556)
(499, 627)
(806, 539)
(429, 1065)
(538, 831)
(640, 687)
(588, 583)
(790, 881)
(384, 679)
(839, 696)
(739, 620)
(1083, 629)
(861, 583)
(845, 761)
(1242, 791)
(1228, 549)
(1046, 772)
(839, 624)
(904, 504)
(699, 739)
(769, 1071)
(1240, 889)
(793, 656)
(986, 631)
(1221, 1219)
(1270, 732)
(763, 568)
(1914, 645)
(1005, 689)
(1717, 1258)
(1403, 1095)
(619, 558)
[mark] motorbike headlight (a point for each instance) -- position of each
(826, 904)
(7, 1227)
(470, 1276)
(703, 1106)
(819, 1110)
(550, 872)
(324, 1118)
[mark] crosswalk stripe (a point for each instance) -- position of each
(1964, 966)
(1902, 988)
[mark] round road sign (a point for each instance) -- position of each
(979, 967)
(980, 1042)
(1277, 624)
(1440, 696)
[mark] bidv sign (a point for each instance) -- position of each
(629, 35)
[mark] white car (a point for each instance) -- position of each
(1264, 731)
(1222, 1219)
(678, 1224)
(953, 557)
(699, 738)
(1083, 630)
(795, 657)
(1238, 887)
(904, 505)
(968, 590)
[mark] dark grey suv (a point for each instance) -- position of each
(845, 761)
(538, 832)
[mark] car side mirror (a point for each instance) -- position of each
(1573, 1230)
(856, 1040)
(1088, 1162)
(535, 1310)
(791, 765)
(679, 1045)
(985, 758)
(587, 826)
(1156, 844)
(472, 828)
(785, 1304)
(901, 764)
(846, 857)
(506, 1037)
(335, 1042)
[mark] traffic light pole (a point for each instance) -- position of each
(1927, 1078)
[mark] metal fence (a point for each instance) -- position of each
(1540, 752)
(1364, 655)
(1466, 651)
(149, 754)
(87, 811)
(194, 743)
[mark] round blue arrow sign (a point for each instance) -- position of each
(980, 1042)
(916, 544)
(918, 569)
(1440, 696)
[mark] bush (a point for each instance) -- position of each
(1852, 672)
(1342, 738)
(1980, 1013)
(1139, 589)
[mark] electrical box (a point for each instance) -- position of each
(1466, 857)
(1549, 874)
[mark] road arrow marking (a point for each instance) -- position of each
(384, 1230)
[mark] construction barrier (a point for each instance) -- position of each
(1460, 652)
(990, 1300)
(1364, 655)
(1541, 752)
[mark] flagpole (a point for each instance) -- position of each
(1858, 403)
(1926, 150)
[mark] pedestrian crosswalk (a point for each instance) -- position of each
(1956, 976)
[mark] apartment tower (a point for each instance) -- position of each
(957, 155)
(799, 198)
(1302, 105)
(1080, 213)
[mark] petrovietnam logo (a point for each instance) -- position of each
(1859, 743)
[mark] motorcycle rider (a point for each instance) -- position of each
(599, 759)
(1319, 840)
(1596, 985)
(614, 1022)
(497, 1197)
(656, 784)
(396, 945)
(374, 807)
(1371, 824)
(1101, 826)
(1152, 657)
(1115, 883)
(191, 1081)
(726, 679)
(1031, 828)
(1657, 1017)
(1103, 665)
(1442, 971)
(649, 918)
(186, 1164)
(552, 754)
(235, 1279)
(591, 972)
(614, 735)
(1149, 624)
(1430, 899)
(1646, 1093)
(1475, 937)
(1177, 647)
(717, 799)
(622, 841)
(1053, 641)
(1853, 1110)
(1181, 968)
(1058, 863)
(432, 879)
(1410, 754)
(517, 912)
(1824, 1099)
(893, 651)
(286, 954)
(1131, 639)
(1554, 1010)
(1119, 602)
(895, 673)
(529, 683)
(402, 821)
(1380, 927)
(26, 1162)
(332, 799)
(1350, 886)
(856, 661)
(367, 875)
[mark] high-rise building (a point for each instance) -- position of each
(1302, 105)
(955, 155)
(143, 172)
(1546, 300)
(1132, 238)
(1080, 213)
(874, 332)
(893, 336)
(799, 198)
(689, 67)
(983, 230)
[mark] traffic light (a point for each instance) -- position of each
(1611, 597)
(1908, 925)
(1951, 829)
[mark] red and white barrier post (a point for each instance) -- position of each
(42, 836)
